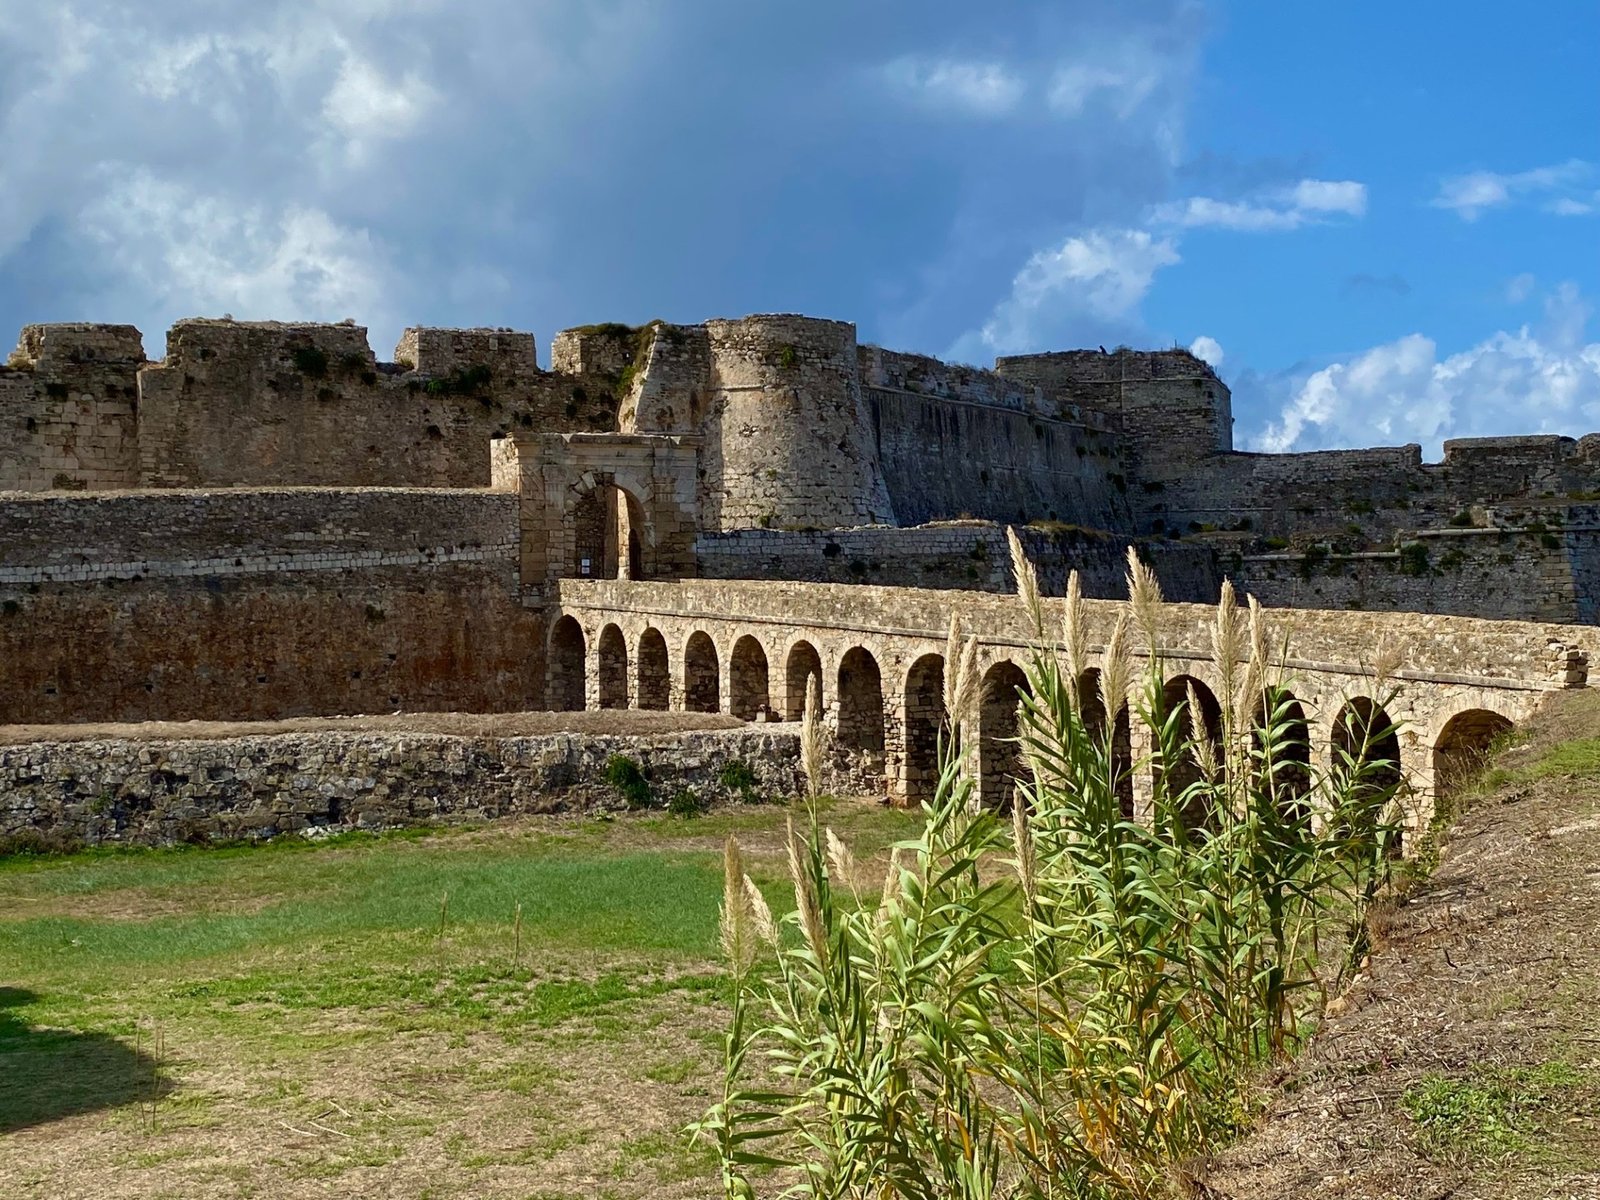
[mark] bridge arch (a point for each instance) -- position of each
(1000, 761)
(564, 675)
(1462, 745)
(1092, 711)
(925, 724)
(1177, 776)
(702, 691)
(612, 667)
(654, 690)
(862, 723)
(748, 687)
(801, 665)
(1280, 744)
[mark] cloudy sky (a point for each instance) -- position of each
(1380, 221)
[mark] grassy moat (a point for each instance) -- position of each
(363, 1016)
(369, 1016)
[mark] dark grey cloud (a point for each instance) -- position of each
(542, 164)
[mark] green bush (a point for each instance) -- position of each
(1088, 1019)
(310, 360)
(687, 803)
(628, 778)
(737, 777)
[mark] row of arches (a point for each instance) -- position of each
(898, 736)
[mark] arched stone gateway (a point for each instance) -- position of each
(1178, 776)
(803, 665)
(1000, 762)
(1366, 751)
(1092, 709)
(861, 721)
(564, 681)
(701, 690)
(655, 671)
(1280, 741)
(613, 668)
(1463, 746)
(747, 680)
(926, 725)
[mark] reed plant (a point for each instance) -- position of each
(1072, 1001)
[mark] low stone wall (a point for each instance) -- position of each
(153, 792)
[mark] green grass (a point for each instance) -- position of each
(269, 970)
(1489, 1115)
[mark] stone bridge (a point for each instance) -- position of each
(748, 648)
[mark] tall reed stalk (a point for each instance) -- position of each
(1071, 1003)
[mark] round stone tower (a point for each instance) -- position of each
(788, 443)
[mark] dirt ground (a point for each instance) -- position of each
(1484, 980)
(626, 722)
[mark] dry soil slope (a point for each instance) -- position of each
(1482, 999)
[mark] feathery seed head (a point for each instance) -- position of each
(737, 927)
(840, 861)
(1144, 590)
(1027, 582)
(1116, 670)
(805, 898)
(761, 915)
(811, 738)
(1075, 636)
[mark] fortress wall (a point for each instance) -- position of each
(1173, 410)
(970, 555)
(787, 439)
(240, 404)
(154, 791)
(68, 408)
(258, 604)
(1498, 574)
(944, 459)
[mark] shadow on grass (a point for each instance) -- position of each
(47, 1074)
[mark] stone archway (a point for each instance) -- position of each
(1280, 744)
(608, 532)
(803, 665)
(861, 718)
(748, 696)
(702, 689)
(1463, 746)
(564, 682)
(1177, 777)
(1000, 763)
(613, 668)
(926, 727)
(655, 671)
(1092, 711)
(1367, 767)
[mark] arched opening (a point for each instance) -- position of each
(1280, 741)
(655, 673)
(860, 702)
(926, 721)
(564, 691)
(803, 665)
(1463, 748)
(1092, 710)
(607, 528)
(613, 668)
(701, 690)
(1000, 763)
(1179, 776)
(747, 680)
(1366, 764)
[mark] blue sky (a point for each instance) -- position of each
(1382, 222)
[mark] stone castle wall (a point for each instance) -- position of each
(251, 604)
(154, 791)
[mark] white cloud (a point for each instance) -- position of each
(1307, 202)
(984, 89)
(1207, 349)
(194, 253)
(1519, 287)
(367, 107)
(1527, 381)
(1469, 196)
(1122, 85)
(1094, 281)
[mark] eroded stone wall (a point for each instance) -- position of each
(156, 791)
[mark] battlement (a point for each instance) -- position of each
(443, 352)
(1057, 368)
(75, 343)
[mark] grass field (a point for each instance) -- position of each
(368, 1017)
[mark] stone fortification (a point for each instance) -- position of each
(141, 791)
(250, 603)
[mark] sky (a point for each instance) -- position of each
(1379, 222)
